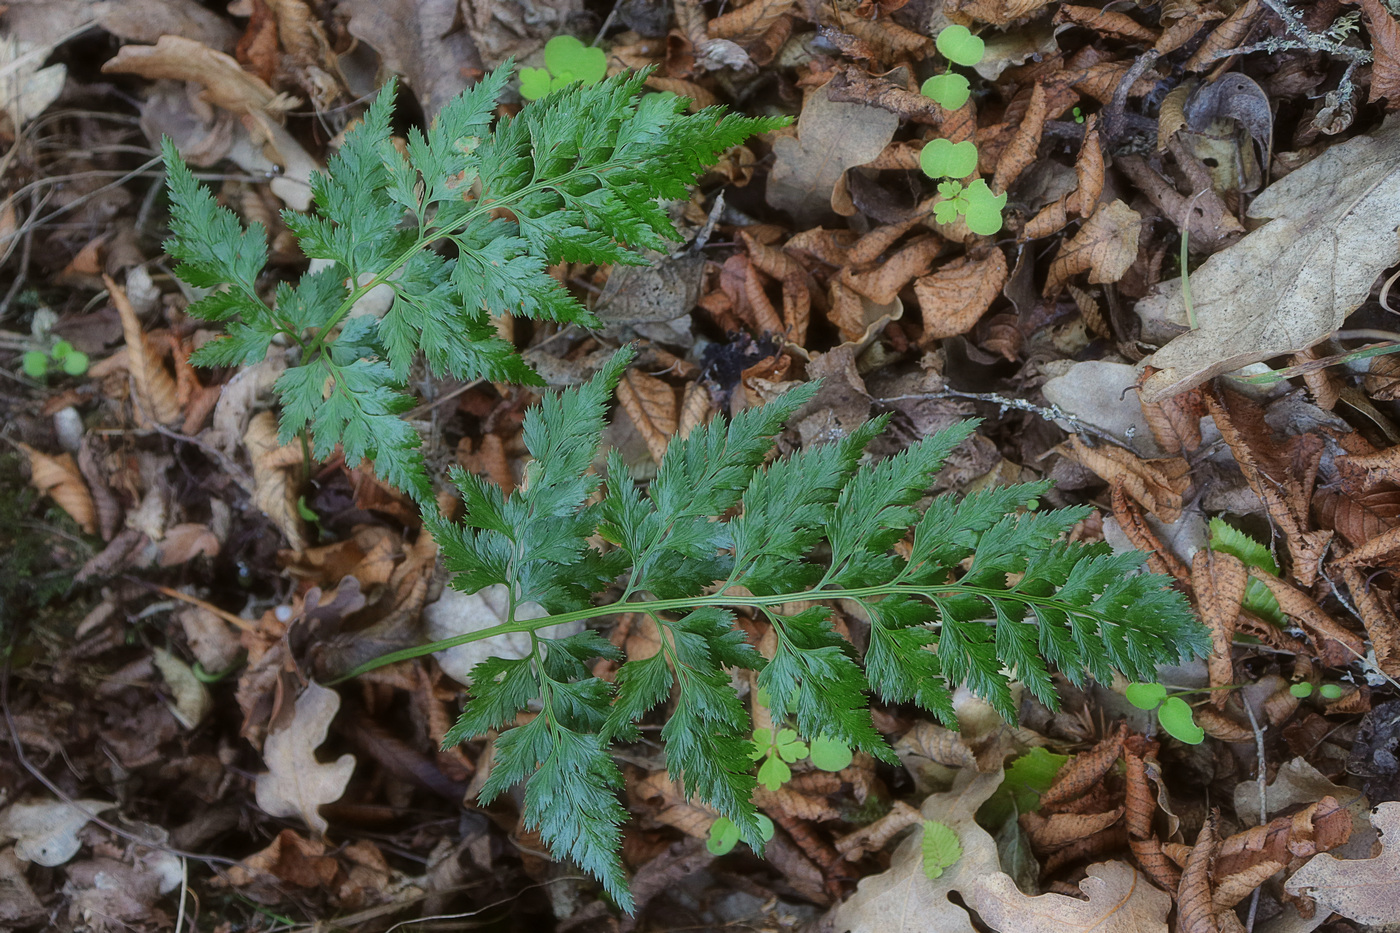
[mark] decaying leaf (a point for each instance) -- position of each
(1336, 646)
(60, 479)
(1380, 620)
(1292, 282)
(155, 387)
(1385, 40)
(274, 491)
(954, 297)
(831, 137)
(1104, 247)
(651, 404)
(1157, 484)
(46, 831)
(1218, 580)
(296, 784)
(1364, 890)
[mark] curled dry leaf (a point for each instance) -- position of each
(155, 387)
(831, 137)
(1380, 620)
(1385, 41)
(1085, 770)
(954, 297)
(1364, 890)
(274, 492)
(995, 12)
(1104, 247)
(1218, 580)
(1195, 905)
(874, 836)
(296, 784)
(750, 21)
(1105, 21)
(1160, 557)
(60, 479)
(1331, 235)
(797, 300)
(1316, 828)
(883, 283)
(1157, 484)
(46, 831)
(651, 404)
(1060, 829)
(1176, 421)
(1336, 645)
(1020, 151)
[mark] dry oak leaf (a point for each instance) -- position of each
(155, 387)
(1292, 282)
(1218, 580)
(60, 479)
(1117, 899)
(296, 784)
(831, 137)
(1364, 890)
(953, 298)
(651, 404)
(1104, 247)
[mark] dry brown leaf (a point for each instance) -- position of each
(1160, 558)
(1385, 44)
(874, 836)
(1088, 170)
(296, 784)
(1380, 550)
(186, 541)
(1218, 580)
(1104, 247)
(1085, 770)
(1218, 725)
(1364, 890)
(1336, 646)
(797, 301)
(651, 404)
(274, 492)
(1319, 827)
(155, 388)
(882, 284)
(831, 137)
(1020, 151)
(1060, 829)
(1176, 422)
(1228, 35)
(60, 479)
(749, 21)
(225, 82)
(953, 298)
(1105, 21)
(1380, 620)
(1195, 906)
(1330, 237)
(886, 38)
(290, 858)
(1157, 484)
(424, 41)
(996, 12)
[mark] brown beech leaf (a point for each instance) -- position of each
(883, 284)
(1020, 151)
(186, 541)
(296, 784)
(1085, 770)
(831, 137)
(1104, 247)
(225, 82)
(1318, 827)
(1380, 620)
(291, 859)
(1160, 557)
(274, 492)
(1176, 422)
(1060, 829)
(996, 12)
(155, 387)
(1336, 646)
(651, 404)
(955, 296)
(1218, 580)
(797, 300)
(1105, 21)
(1379, 550)
(1157, 484)
(1364, 890)
(1195, 906)
(1385, 42)
(60, 479)
(749, 21)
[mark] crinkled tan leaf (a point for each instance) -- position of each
(1292, 282)
(1157, 484)
(46, 831)
(296, 784)
(884, 283)
(1020, 151)
(155, 387)
(651, 404)
(1385, 43)
(26, 90)
(1379, 618)
(1118, 899)
(1218, 580)
(749, 21)
(1104, 247)
(60, 479)
(1364, 890)
(996, 12)
(274, 490)
(1337, 646)
(225, 82)
(953, 298)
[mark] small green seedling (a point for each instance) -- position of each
(566, 60)
(780, 751)
(1078, 115)
(1303, 690)
(941, 848)
(38, 364)
(724, 835)
(943, 158)
(1173, 712)
(1258, 599)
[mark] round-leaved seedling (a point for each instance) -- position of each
(958, 45)
(950, 91)
(943, 158)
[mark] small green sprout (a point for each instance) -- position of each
(943, 158)
(1330, 691)
(1173, 712)
(941, 848)
(724, 835)
(781, 750)
(1078, 115)
(566, 60)
(38, 364)
(1301, 690)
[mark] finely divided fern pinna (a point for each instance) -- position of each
(462, 227)
(817, 525)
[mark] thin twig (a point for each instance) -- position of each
(1049, 413)
(1262, 780)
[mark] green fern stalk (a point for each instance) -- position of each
(813, 526)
